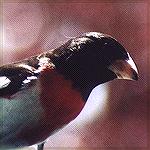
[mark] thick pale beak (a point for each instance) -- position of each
(125, 69)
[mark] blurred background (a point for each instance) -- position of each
(116, 114)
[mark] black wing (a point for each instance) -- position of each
(14, 78)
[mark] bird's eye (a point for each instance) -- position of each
(4, 82)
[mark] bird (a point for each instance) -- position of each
(41, 94)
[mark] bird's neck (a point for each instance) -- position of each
(83, 79)
(80, 81)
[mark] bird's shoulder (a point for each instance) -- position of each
(19, 75)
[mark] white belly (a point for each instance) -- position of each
(18, 114)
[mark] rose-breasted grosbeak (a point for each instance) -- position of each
(41, 94)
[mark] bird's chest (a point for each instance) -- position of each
(37, 112)
(60, 102)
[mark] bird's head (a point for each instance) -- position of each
(111, 56)
(92, 59)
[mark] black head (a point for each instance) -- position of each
(90, 60)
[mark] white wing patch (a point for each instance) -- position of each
(29, 79)
(4, 82)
